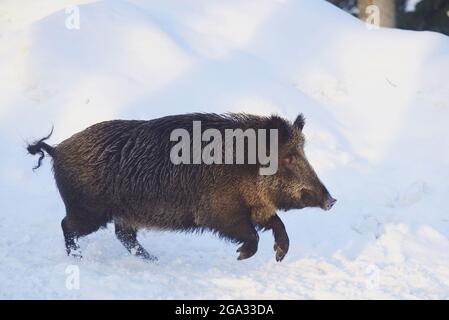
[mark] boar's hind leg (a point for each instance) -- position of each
(77, 224)
(128, 237)
(281, 241)
(70, 238)
(245, 233)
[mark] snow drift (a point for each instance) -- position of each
(376, 103)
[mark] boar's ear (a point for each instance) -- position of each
(299, 122)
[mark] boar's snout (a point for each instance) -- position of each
(329, 202)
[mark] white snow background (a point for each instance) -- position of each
(377, 109)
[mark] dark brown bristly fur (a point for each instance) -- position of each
(121, 171)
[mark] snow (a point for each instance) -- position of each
(376, 103)
(410, 5)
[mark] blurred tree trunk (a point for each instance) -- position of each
(387, 11)
(430, 15)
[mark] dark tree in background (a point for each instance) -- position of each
(432, 15)
(347, 5)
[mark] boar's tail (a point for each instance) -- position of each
(38, 147)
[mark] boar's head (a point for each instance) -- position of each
(298, 184)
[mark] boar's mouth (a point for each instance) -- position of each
(307, 198)
(322, 199)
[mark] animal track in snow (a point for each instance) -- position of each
(413, 194)
(369, 224)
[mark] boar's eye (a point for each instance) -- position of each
(289, 159)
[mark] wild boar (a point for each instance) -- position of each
(122, 171)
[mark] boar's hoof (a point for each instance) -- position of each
(247, 250)
(75, 254)
(73, 250)
(281, 249)
(143, 254)
(148, 257)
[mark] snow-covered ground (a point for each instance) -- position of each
(377, 106)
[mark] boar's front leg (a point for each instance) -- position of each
(281, 241)
(128, 237)
(242, 231)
